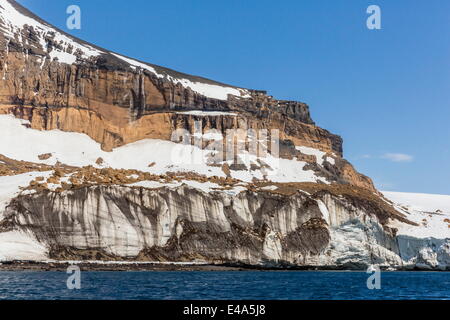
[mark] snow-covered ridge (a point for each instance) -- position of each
(14, 21)
(208, 90)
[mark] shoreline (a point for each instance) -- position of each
(124, 266)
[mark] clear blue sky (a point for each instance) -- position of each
(386, 92)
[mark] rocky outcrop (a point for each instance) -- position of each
(112, 133)
(184, 224)
(109, 88)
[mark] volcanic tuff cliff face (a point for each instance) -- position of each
(114, 91)
(117, 89)
(120, 194)
(181, 223)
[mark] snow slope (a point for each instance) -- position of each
(420, 201)
(430, 211)
(10, 186)
(75, 149)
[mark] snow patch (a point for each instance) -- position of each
(430, 211)
(313, 152)
(324, 210)
(269, 188)
(203, 186)
(208, 113)
(331, 160)
(153, 184)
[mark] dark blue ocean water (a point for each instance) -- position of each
(225, 285)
